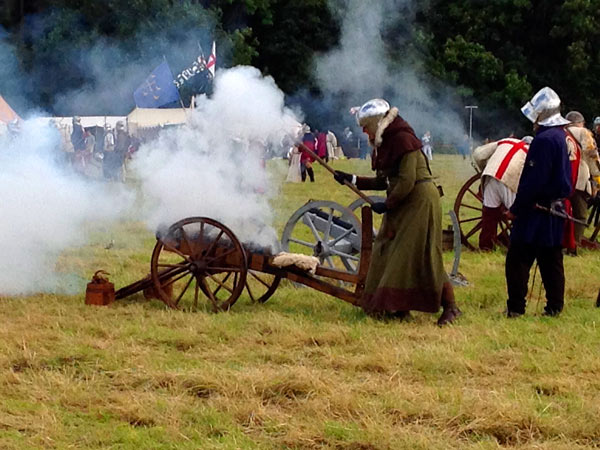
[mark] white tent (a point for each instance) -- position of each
(141, 118)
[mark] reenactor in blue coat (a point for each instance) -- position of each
(536, 234)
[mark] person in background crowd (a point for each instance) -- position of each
(427, 149)
(596, 129)
(406, 272)
(322, 145)
(583, 152)
(332, 144)
(537, 235)
(122, 143)
(78, 136)
(110, 160)
(307, 160)
(464, 147)
(501, 164)
(294, 174)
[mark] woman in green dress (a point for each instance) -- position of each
(406, 271)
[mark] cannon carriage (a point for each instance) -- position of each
(200, 260)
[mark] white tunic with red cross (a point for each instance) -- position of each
(507, 161)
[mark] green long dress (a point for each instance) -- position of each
(406, 270)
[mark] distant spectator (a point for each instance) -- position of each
(464, 147)
(596, 129)
(332, 146)
(294, 172)
(426, 140)
(110, 158)
(78, 139)
(322, 145)
(122, 143)
(306, 159)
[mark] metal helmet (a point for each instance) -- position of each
(597, 121)
(76, 120)
(527, 139)
(374, 109)
(120, 125)
(544, 109)
(108, 127)
(575, 117)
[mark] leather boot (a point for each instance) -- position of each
(450, 310)
(489, 227)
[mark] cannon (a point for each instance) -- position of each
(198, 261)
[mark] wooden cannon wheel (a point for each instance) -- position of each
(468, 208)
(261, 286)
(194, 255)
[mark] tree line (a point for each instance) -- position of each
(495, 53)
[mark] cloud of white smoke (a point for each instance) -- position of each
(44, 209)
(214, 167)
(361, 68)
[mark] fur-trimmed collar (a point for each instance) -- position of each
(383, 124)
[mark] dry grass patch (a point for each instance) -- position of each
(302, 371)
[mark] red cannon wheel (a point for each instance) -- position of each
(468, 208)
(194, 255)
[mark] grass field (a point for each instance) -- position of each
(304, 370)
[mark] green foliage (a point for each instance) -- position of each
(501, 51)
(495, 52)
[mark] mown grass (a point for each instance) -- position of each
(304, 370)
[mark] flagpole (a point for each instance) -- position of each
(201, 51)
(180, 99)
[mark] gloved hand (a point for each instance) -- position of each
(558, 206)
(342, 177)
(379, 207)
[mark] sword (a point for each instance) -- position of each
(561, 214)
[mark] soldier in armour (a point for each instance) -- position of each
(536, 234)
(583, 152)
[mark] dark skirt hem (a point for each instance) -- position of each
(391, 300)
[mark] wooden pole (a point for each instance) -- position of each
(320, 160)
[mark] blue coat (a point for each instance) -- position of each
(546, 177)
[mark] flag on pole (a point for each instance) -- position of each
(212, 60)
(198, 66)
(158, 89)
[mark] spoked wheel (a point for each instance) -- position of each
(328, 231)
(357, 204)
(198, 261)
(468, 207)
(261, 286)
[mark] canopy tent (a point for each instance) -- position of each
(141, 118)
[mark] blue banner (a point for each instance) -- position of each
(158, 89)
